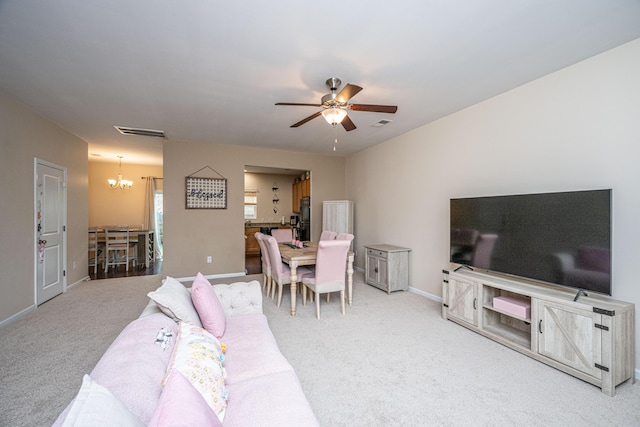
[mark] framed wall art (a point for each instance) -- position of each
(206, 193)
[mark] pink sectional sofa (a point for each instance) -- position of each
(263, 389)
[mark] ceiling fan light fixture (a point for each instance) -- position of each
(334, 115)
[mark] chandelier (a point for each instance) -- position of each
(120, 183)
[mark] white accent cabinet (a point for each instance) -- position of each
(337, 215)
(387, 267)
(591, 338)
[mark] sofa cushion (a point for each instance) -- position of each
(240, 298)
(252, 350)
(270, 400)
(208, 306)
(175, 301)
(133, 365)
(96, 406)
(198, 356)
(181, 404)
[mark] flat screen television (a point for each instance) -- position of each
(561, 238)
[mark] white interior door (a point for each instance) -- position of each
(50, 223)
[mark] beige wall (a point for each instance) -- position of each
(25, 135)
(109, 206)
(190, 235)
(576, 129)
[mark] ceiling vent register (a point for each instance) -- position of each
(141, 132)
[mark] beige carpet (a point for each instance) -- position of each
(390, 361)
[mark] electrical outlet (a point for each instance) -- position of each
(209, 259)
(75, 265)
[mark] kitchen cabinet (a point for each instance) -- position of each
(299, 190)
(296, 193)
(305, 188)
(251, 245)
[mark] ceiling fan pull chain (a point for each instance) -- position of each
(335, 136)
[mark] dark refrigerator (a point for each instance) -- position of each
(305, 219)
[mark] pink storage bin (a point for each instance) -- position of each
(513, 306)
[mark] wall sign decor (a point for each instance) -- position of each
(206, 193)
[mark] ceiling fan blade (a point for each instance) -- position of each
(347, 124)
(297, 104)
(348, 92)
(303, 121)
(374, 108)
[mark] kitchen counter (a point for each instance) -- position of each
(252, 247)
(266, 224)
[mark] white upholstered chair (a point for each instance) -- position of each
(280, 272)
(328, 235)
(344, 236)
(266, 262)
(330, 272)
(282, 235)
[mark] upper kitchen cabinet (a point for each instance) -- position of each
(301, 188)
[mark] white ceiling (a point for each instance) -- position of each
(212, 71)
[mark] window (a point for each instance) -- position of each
(251, 204)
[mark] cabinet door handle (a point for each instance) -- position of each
(375, 269)
(540, 326)
(475, 303)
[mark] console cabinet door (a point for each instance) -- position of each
(463, 300)
(376, 271)
(568, 335)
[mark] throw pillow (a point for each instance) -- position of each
(180, 404)
(175, 301)
(208, 306)
(96, 406)
(198, 356)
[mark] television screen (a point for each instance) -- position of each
(562, 238)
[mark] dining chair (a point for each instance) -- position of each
(280, 272)
(96, 250)
(344, 236)
(134, 239)
(331, 268)
(328, 235)
(266, 261)
(117, 248)
(283, 235)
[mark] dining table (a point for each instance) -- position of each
(145, 242)
(295, 256)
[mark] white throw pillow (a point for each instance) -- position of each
(175, 301)
(95, 406)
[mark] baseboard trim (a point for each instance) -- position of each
(84, 279)
(16, 316)
(425, 294)
(211, 276)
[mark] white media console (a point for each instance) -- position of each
(591, 338)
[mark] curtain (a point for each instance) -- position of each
(150, 212)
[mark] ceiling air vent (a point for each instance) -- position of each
(381, 123)
(140, 132)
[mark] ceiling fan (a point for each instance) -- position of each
(335, 105)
